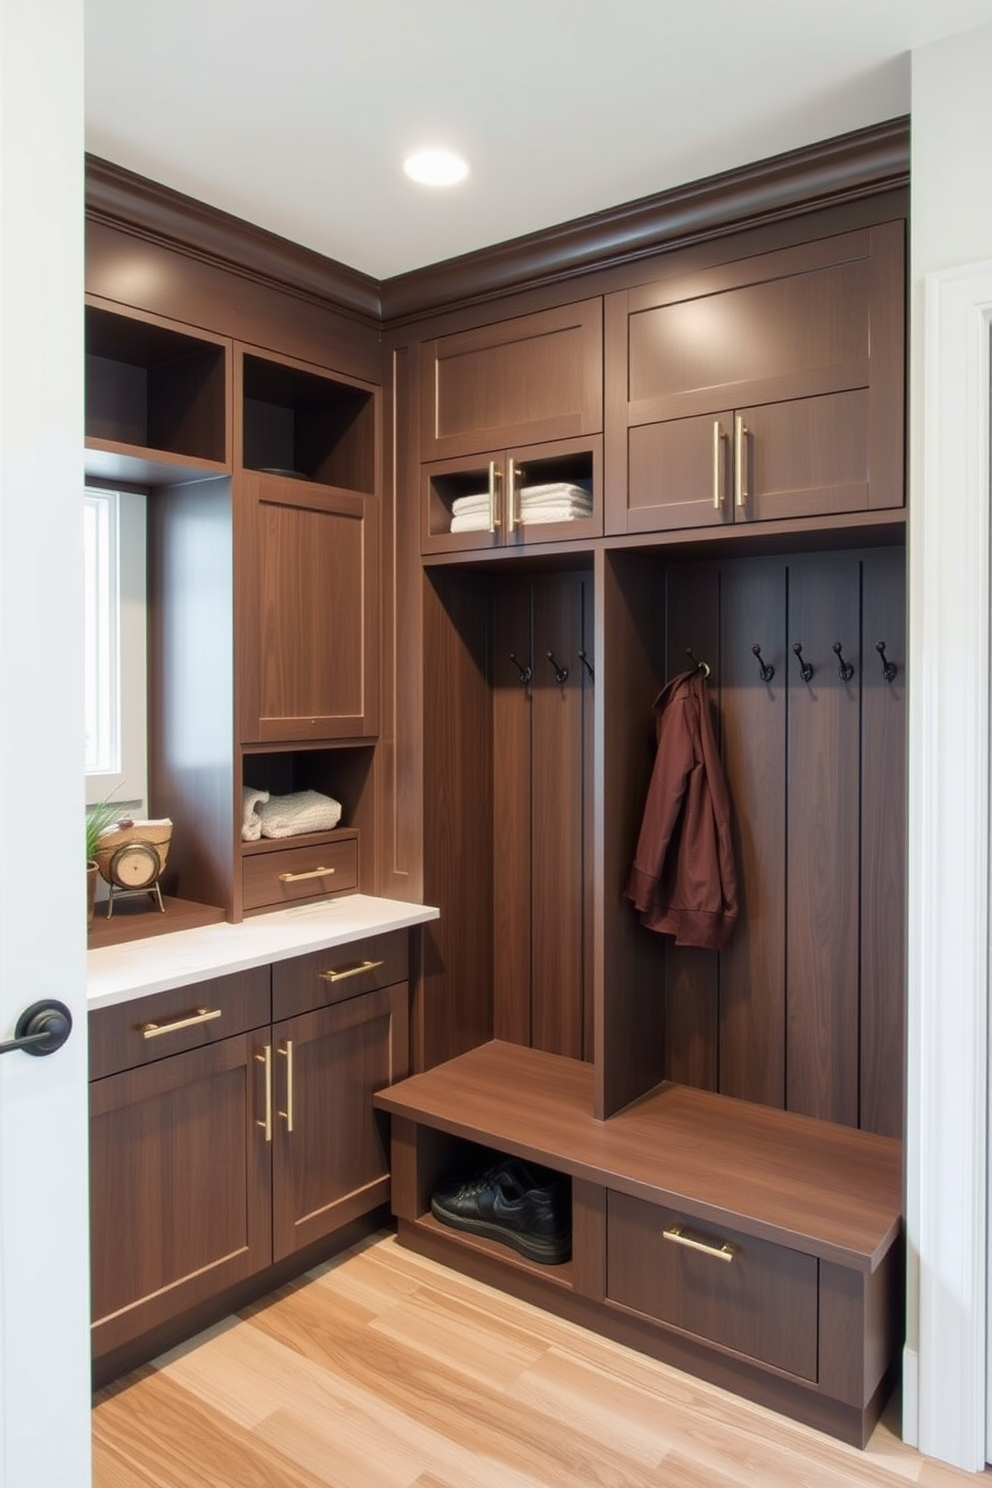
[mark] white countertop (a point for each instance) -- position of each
(138, 967)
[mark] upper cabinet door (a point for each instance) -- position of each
(309, 645)
(768, 387)
(521, 381)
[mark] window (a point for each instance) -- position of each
(114, 632)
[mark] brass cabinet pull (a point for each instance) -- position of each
(298, 877)
(287, 1052)
(718, 438)
(494, 480)
(265, 1058)
(202, 1015)
(511, 496)
(677, 1235)
(741, 432)
(341, 973)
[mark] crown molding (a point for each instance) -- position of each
(834, 171)
(145, 209)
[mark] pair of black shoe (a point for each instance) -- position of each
(520, 1205)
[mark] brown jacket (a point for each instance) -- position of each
(683, 879)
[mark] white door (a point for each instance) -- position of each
(44, 1332)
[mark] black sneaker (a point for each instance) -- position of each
(519, 1206)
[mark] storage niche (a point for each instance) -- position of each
(508, 779)
(303, 424)
(276, 871)
(803, 1010)
(156, 399)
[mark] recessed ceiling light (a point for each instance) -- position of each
(436, 167)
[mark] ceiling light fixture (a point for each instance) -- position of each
(436, 167)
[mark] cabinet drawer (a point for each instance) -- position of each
(148, 1028)
(286, 875)
(747, 1295)
(307, 982)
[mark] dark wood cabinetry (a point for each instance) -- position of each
(769, 387)
(309, 638)
(524, 380)
(263, 588)
(232, 1127)
(157, 398)
(180, 1182)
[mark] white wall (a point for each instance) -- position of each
(951, 226)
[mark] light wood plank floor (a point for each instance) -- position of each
(383, 1370)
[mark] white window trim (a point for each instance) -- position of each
(129, 781)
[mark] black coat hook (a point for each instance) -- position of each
(588, 665)
(845, 671)
(805, 670)
(701, 666)
(766, 668)
(526, 672)
(889, 668)
(561, 673)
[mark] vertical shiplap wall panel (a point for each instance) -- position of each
(883, 846)
(823, 857)
(752, 968)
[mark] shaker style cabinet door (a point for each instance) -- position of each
(308, 647)
(522, 381)
(180, 1200)
(331, 1149)
(767, 388)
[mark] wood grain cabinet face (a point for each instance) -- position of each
(331, 1149)
(747, 1295)
(768, 388)
(519, 382)
(309, 646)
(180, 1185)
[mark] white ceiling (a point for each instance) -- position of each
(296, 115)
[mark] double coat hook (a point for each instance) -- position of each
(526, 672)
(845, 671)
(561, 673)
(765, 667)
(805, 667)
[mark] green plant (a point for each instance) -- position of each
(98, 819)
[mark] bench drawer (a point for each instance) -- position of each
(747, 1295)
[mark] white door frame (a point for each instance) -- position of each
(947, 1142)
(44, 1212)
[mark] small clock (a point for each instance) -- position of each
(131, 857)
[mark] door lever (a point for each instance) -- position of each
(42, 1028)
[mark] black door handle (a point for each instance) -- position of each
(41, 1029)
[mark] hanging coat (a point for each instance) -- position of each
(683, 879)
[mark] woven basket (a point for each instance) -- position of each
(158, 834)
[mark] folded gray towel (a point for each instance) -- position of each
(251, 822)
(303, 811)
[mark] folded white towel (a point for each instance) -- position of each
(554, 511)
(473, 522)
(251, 822)
(303, 811)
(539, 495)
(466, 506)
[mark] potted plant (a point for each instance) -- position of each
(98, 819)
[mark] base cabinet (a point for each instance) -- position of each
(180, 1186)
(224, 1143)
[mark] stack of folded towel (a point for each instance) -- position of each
(470, 513)
(265, 815)
(560, 501)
